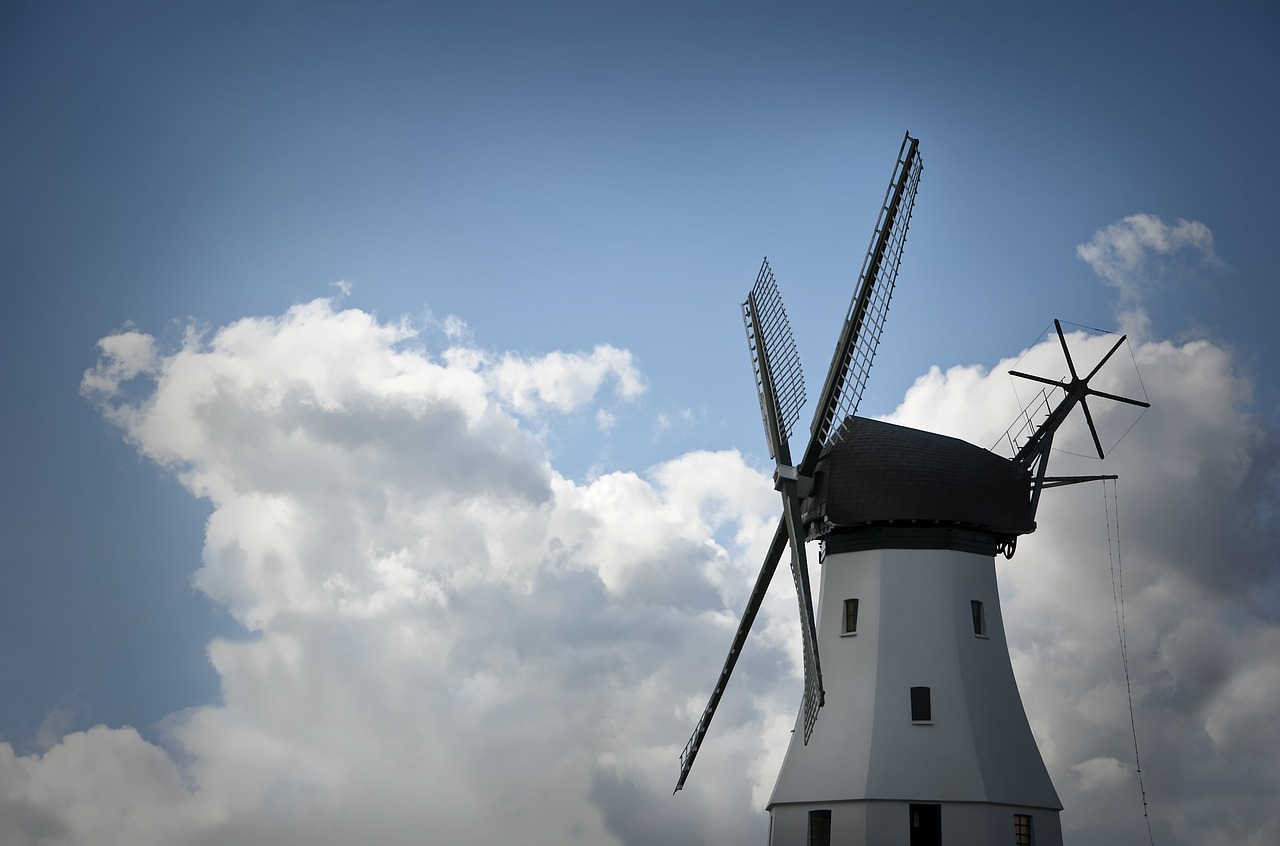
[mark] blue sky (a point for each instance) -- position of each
(558, 178)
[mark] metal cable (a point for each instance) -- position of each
(1117, 597)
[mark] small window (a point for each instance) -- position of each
(921, 707)
(850, 616)
(926, 825)
(1022, 830)
(819, 828)
(979, 618)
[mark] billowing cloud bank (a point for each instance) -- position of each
(446, 635)
(448, 641)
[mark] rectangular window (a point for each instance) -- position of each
(819, 828)
(926, 825)
(921, 707)
(979, 618)
(1022, 830)
(850, 616)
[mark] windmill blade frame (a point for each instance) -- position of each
(780, 384)
(771, 559)
(864, 321)
(774, 360)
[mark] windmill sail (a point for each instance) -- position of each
(779, 379)
(771, 559)
(864, 322)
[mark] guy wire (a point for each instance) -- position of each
(1117, 597)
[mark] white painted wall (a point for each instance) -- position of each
(914, 629)
(888, 824)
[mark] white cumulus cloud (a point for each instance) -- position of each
(443, 633)
(1133, 253)
(565, 381)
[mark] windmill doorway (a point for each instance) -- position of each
(926, 825)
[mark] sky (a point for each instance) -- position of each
(380, 452)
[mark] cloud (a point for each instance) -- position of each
(123, 357)
(1133, 254)
(455, 328)
(445, 634)
(1106, 773)
(565, 381)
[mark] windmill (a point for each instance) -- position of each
(921, 720)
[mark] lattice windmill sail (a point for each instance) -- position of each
(864, 322)
(781, 390)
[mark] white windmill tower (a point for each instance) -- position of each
(923, 739)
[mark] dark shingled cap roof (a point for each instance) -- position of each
(879, 473)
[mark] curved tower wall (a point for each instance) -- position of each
(867, 762)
